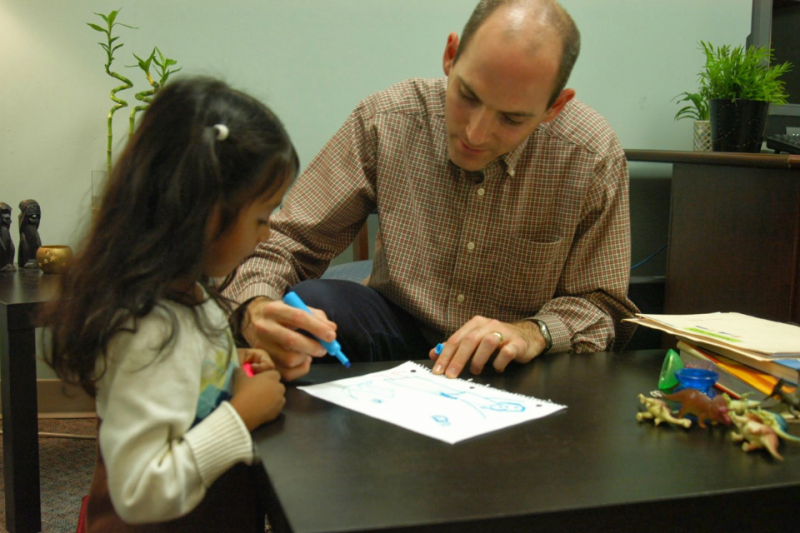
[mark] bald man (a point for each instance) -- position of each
(503, 210)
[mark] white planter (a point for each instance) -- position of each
(702, 136)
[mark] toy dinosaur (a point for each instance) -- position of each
(742, 406)
(694, 402)
(792, 400)
(773, 420)
(658, 410)
(755, 435)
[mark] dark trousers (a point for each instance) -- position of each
(370, 327)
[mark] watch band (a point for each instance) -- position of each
(548, 340)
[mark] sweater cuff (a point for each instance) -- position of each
(219, 442)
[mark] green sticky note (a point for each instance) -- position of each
(672, 363)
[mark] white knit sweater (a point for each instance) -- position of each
(167, 432)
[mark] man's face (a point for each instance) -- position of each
(497, 93)
(5, 218)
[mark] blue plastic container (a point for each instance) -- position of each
(697, 378)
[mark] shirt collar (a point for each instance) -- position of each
(512, 158)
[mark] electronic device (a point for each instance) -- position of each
(774, 24)
(784, 143)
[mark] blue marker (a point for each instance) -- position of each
(439, 348)
(333, 347)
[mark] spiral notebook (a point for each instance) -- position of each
(450, 410)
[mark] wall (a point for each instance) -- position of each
(312, 61)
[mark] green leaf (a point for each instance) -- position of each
(96, 27)
(698, 110)
(739, 73)
(144, 64)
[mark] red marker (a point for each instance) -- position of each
(248, 369)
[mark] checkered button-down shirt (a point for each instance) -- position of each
(542, 231)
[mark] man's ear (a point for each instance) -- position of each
(450, 50)
(558, 106)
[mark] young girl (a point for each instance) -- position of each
(140, 326)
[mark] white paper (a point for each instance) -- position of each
(450, 410)
(734, 330)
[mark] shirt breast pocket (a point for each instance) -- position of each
(528, 272)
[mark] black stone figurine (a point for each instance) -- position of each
(6, 244)
(29, 241)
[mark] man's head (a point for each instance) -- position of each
(505, 76)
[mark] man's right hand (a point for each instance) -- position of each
(272, 326)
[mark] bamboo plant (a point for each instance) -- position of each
(110, 48)
(161, 65)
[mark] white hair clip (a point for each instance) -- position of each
(222, 131)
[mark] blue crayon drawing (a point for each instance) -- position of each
(447, 409)
(477, 398)
(441, 420)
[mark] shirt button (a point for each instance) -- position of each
(460, 298)
(481, 192)
(471, 246)
(511, 172)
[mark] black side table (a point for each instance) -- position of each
(22, 294)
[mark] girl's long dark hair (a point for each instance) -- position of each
(151, 230)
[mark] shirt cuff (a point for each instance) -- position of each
(218, 442)
(559, 333)
(255, 290)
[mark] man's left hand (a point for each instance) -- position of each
(481, 337)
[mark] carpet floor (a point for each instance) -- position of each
(65, 472)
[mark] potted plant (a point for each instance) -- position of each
(739, 85)
(698, 110)
(161, 66)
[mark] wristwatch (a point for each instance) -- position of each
(548, 340)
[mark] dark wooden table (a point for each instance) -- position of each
(21, 295)
(589, 467)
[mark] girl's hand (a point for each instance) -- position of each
(259, 359)
(259, 399)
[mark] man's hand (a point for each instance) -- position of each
(271, 325)
(479, 338)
